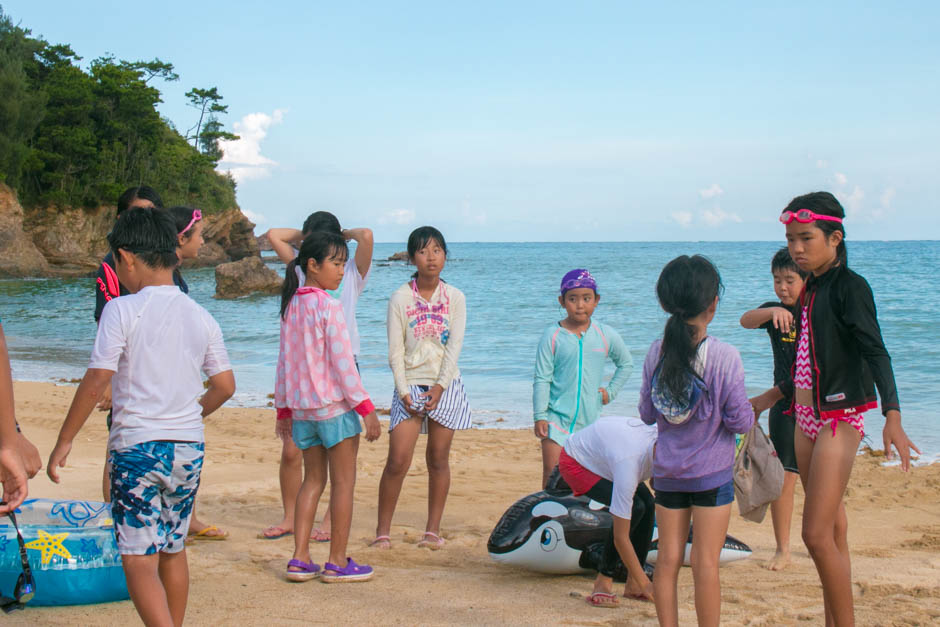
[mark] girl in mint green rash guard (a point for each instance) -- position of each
(569, 367)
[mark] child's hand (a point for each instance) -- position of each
(783, 319)
(284, 428)
(605, 397)
(409, 406)
(433, 397)
(373, 429)
(32, 461)
(13, 477)
(638, 587)
(894, 434)
(104, 404)
(57, 460)
(541, 429)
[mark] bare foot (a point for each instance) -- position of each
(283, 528)
(779, 561)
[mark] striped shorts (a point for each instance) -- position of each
(453, 410)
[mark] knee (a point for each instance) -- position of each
(669, 561)
(438, 463)
(397, 466)
(702, 563)
(817, 538)
(291, 457)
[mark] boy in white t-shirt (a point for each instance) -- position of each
(286, 242)
(609, 460)
(152, 346)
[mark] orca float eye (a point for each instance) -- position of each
(549, 539)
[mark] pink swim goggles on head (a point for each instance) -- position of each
(805, 216)
(197, 215)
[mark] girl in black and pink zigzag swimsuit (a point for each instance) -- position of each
(840, 358)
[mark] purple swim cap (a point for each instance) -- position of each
(577, 278)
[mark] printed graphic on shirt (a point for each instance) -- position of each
(429, 320)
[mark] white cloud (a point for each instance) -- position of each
(717, 216)
(840, 179)
(398, 216)
(257, 218)
(242, 157)
(712, 191)
(853, 201)
(683, 218)
(887, 198)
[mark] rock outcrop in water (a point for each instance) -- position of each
(65, 241)
(247, 276)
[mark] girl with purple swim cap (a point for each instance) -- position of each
(568, 391)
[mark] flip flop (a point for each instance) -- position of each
(306, 572)
(352, 572)
(602, 599)
(381, 542)
(206, 533)
(637, 597)
(274, 532)
(432, 541)
(319, 535)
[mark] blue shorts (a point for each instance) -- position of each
(716, 497)
(326, 433)
(153, 490)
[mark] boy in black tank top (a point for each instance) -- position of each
(777, 319)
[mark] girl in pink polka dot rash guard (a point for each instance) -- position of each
(319, 399)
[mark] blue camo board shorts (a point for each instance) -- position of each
(326, 433)
(153, 490)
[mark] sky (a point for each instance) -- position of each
(550, 121)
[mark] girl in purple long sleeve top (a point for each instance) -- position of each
(693, 389)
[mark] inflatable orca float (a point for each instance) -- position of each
(555, 532)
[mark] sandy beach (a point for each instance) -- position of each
(894, 534)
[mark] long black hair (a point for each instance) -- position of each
(687, 286)
(826, 204)
(319, 246)
(421, 237)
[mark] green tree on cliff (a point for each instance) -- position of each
(78, 137)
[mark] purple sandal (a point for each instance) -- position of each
(306, 572)
(352, 572)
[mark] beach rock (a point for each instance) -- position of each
(399, 256)
(246, 276)
(19, 256)
(229, 236)
(264, 244)
(73, 241)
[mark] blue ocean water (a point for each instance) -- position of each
(511, 291)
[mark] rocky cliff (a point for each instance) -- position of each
(57, 241)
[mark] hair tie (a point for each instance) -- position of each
(197, 215)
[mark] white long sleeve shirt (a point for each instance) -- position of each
(425, 336)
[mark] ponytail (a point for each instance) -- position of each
(687, 286)
(289, 287)
(319, 246)
(677, 352)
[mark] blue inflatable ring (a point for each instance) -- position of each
(71, 549)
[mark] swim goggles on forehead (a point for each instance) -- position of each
(804, 216)
(197, 216)
(25, 588)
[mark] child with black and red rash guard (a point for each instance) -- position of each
(777, 319)
(840, 357)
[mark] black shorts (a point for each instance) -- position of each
(781, 434)
(716, 497)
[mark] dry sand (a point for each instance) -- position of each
(894, 534)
